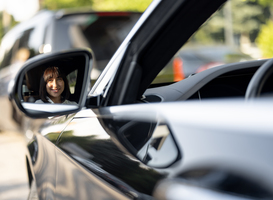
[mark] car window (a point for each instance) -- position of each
(101, 32)
(19, 51)
(214, 44)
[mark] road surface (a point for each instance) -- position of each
(13, 172)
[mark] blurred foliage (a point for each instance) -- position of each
(251, 13)
(121, 5)
(59, 4)
(265, 39)
(103, 5)
(3, 29)
(266, 3)
(248, 13)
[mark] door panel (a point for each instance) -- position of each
(75, 182)
(54, 127)
(45, 168)
(85, 140)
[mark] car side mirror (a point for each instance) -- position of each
(69, 72)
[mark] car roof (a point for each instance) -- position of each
(62, 13)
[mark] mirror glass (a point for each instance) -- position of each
(52, 85)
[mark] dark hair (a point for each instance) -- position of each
(49, 73)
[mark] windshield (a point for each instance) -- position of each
(237, 32)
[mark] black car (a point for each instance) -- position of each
(53, 31)
(137, 134)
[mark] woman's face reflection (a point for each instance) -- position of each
(55, 87)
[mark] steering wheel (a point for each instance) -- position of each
(258, 80)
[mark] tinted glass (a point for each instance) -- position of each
(102, 32)
(20, 51)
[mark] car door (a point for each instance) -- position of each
(126, 77)
(94, 166)
(42, 151)
(91, 159)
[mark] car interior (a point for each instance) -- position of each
(226, 81)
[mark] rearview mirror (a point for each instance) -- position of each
(53, 84)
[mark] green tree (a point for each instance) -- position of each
(59, 4)
(3, 29)
(267, 3)
(247, 17)
(247, 14)
(121, 5)
(265, 39)
(102, 5)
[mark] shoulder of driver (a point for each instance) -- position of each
(39, 101)
(69, 102)
(65, 102)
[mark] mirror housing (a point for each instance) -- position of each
(75, 65)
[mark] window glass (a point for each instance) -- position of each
(19, 51)
(103, 33)
(6, 58)
(22, 51)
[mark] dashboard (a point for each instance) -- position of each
(226, 81)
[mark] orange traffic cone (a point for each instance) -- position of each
(178, 69)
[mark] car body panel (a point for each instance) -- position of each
(95, 150)
(73, 181)
(92, 147)
(44, 167)
(227, 125)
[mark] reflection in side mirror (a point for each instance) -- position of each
(53, 84)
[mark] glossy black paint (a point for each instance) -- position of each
(85, 154)
(94, 145)
(225, 181)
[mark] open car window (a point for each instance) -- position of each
(219, 41)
